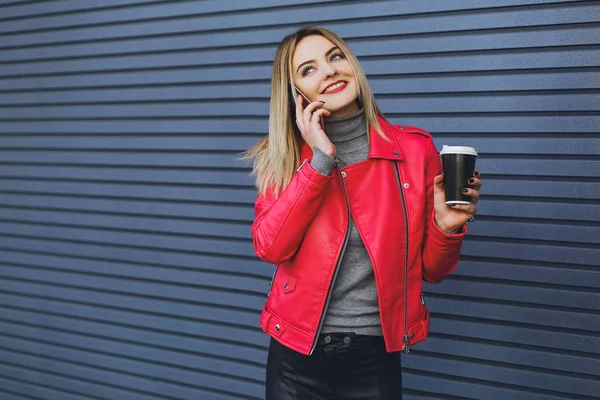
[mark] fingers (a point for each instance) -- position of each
(438, 184)
(309, 110)
(473, 194)
(475, 183)
(312, 106)
(317, 120)
(304, 115)
(469, 209)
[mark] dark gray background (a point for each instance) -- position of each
(126, 264)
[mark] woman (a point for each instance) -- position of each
(352, 211)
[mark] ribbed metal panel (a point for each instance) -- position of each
(126, 265)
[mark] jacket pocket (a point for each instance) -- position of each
(288, 283)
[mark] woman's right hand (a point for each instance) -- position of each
(310, 123)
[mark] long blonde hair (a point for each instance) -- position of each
(277, 156)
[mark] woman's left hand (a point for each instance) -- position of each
(447, 218)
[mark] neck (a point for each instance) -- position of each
(350, 109)
(347, 128)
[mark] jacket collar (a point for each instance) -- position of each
(378, 146)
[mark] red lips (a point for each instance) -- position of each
(337, 89)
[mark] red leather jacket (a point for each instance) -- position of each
(304, 232)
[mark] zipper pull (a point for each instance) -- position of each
(406, 344)
(422, 298)
(302, 165)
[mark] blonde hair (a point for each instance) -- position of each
(277, 156)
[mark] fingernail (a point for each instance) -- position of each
(476, 173)
(463, 190)
(471, 181)
(322, 101)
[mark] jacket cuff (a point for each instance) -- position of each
(313, 176)
(321, 162)
(436, 231)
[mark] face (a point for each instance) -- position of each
(322, 72)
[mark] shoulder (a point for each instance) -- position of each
(408, 139)
(413, 140)
(411, 136)
(400, 130)
(407, 129)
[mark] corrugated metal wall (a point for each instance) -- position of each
(126, 265)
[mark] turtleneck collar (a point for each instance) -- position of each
(346, 128)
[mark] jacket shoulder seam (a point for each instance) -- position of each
(413, 130)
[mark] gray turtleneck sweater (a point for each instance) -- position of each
(353, 306)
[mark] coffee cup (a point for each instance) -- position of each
(459, 164)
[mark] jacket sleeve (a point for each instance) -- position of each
(441, 251)
(280, 223)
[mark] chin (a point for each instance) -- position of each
(346, 107)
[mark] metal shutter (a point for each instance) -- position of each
(126, 265)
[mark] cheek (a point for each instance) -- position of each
(309, 87)
(312, 88)
(346, 69)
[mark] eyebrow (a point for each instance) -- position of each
(311, 61)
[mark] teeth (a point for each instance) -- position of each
(337, 85)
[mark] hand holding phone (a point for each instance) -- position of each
(309, 118)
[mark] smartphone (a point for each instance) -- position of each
(308, 101)
(298, 91)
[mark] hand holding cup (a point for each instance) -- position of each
(456, 190)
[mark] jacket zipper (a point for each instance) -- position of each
(272, 280)
(337, 267)
(405, 336)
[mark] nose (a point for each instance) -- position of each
(328, 71)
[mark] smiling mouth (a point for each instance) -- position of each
(336, 87)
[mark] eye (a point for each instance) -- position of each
(336, 56)
(307, 70)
